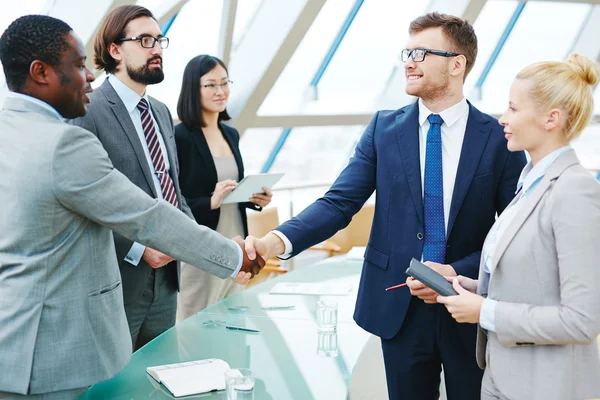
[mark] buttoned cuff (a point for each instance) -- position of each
(487, 315)
(288, 245)
(135, 253)
(241, 258)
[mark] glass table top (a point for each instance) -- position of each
(290, 358)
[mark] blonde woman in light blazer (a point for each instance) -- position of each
(537, 299)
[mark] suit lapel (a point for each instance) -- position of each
(408, 145)
(129, 131)
(531, 201)
(476, 136)
(529, 204)
(205, 154)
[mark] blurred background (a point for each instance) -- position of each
(309, 74)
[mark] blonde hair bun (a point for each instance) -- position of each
(587, 69)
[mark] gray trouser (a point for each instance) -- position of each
(60, 395)
(154, 311)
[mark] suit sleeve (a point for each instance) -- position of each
(85, 182)
(347, 195)
(127, 250)
(575, 216)
(505, 192)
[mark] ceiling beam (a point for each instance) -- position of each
(168, 10)
(586, 42)
(227, 28)
(266, 49)
(292, 121)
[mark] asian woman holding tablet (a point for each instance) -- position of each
(210, 167)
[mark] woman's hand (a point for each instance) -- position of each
(467, 283)
(222, 189)
(262, 199)
(466, 306)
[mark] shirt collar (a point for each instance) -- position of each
(39, 102)
(449, 115)
(531, 174)
(128, 96)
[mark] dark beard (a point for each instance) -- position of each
(145, 75)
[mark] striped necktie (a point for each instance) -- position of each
(151, 135)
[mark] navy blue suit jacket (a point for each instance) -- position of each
(387, 160)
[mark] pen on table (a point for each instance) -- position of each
(278, 308)
(237, 328)
(396, 287)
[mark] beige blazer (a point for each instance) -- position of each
(547, 281)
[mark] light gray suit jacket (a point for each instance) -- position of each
(62, 321)
(547, 281)
(109, 120)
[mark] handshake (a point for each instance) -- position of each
(256, 252)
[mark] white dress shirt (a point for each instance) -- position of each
(131, 100)
(453, 133)
(530, 177)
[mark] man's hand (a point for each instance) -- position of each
(423, 292)
(267, 247)
(466, 307)
(155, 258)
(250, 266)
(242, 277)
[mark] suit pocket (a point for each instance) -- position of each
(107, 318)
(376, 258)
(105, 290)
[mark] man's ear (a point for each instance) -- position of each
(115, 51)
(459, 65)
(40, 72)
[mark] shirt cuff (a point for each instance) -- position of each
(487, 315)
(288, 245)
(241, 258)
(135, 253)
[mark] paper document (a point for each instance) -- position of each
(192, 377)
(311, 288)
(356, 253)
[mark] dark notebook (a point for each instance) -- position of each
(429, 277)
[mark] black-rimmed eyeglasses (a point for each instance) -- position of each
(148, 42)
(418, 54)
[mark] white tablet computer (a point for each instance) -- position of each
(249, 185)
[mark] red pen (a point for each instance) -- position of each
(396, 287)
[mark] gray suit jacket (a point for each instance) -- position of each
(62, 320)
(108, 119)
(547, 282)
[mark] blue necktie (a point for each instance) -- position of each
(434, 248)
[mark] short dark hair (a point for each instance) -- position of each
(112, 28)
(458, 31)
(189, 109)
(30, 38)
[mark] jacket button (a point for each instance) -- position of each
(420, 236)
